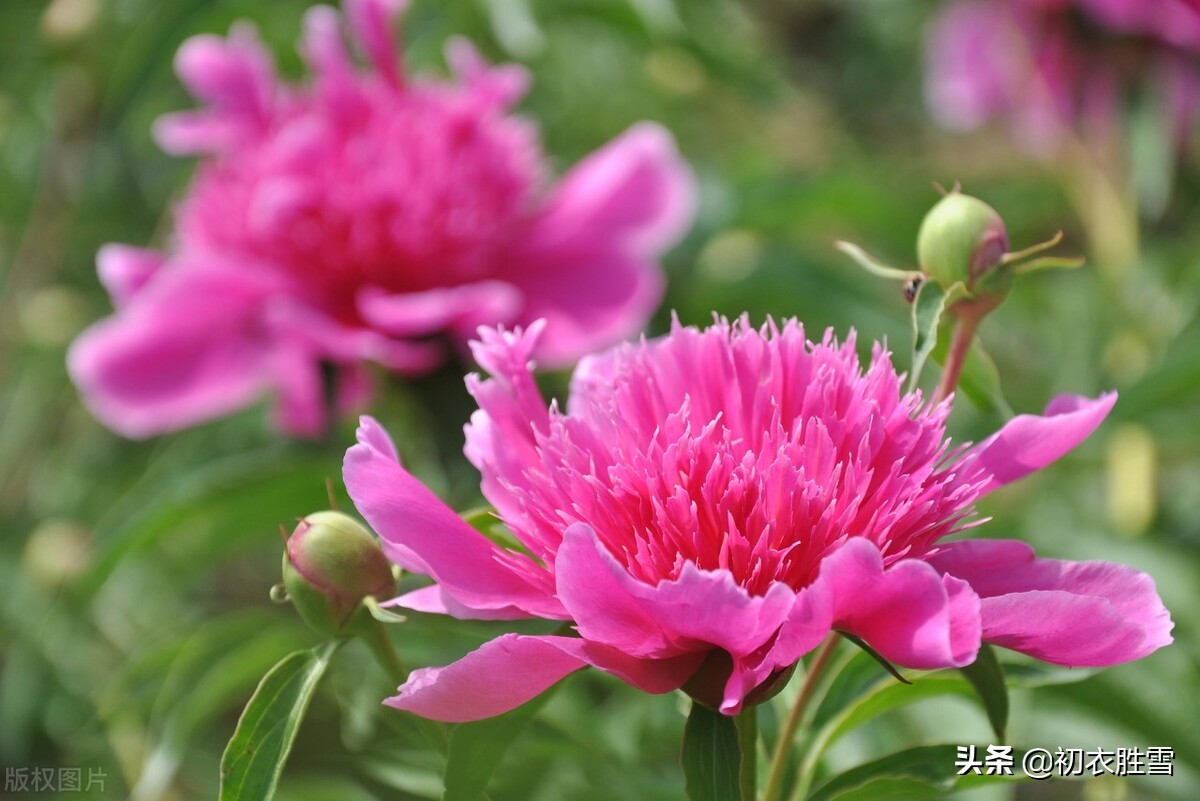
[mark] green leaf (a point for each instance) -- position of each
(254, 758)
(979, 380)
(477, 748)
(873, 265)
(871, 652)
(711, 756)
(987, 677)
(927, 771)
(927, 311)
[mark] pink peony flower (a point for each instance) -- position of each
(1046, 66)
(366, 216)
(740, 491)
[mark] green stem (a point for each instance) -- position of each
(747, 726)
(783, 747)
(376, 638)
(381, 646)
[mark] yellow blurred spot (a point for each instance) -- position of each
(1127, 357)
(1132, 479)
(676, 70)
(1106, 788)
(67, 20)
(52, 316)
(730, 255)
(57, 552)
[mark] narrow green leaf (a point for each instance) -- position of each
(987, 677)
(254, 758)
(1032, 250)
(927, 771)
(477, 748)
(711, 756)
(1050, 263)
(927, 311)
(871, 652)
(873, 265)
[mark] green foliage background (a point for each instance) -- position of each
(134, 619)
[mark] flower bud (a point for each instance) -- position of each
(331, 563)
(961, 239)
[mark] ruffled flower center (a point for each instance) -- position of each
(755, 452)
(412, 189)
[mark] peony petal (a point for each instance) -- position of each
(588, 265)
(424, 535)
(972, 72)
(635, 190)
(124, 270)
(371, 21)
(235, 77)
(597, 593)
(1029, 442)
(187, 349)
(907, 613)
(460, 310)
(699, 610)
(495, 87)
(512, 669)
(589, 296)
(1084, 614)
(434, 600)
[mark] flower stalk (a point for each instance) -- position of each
(791, 726)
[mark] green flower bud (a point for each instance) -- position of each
(331, 563)
(961, 239)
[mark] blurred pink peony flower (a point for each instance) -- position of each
(357, 218)
(734, 490)
(1046, 66)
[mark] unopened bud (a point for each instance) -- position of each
(961, 240)
(331, 564)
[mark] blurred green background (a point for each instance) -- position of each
(134, 617)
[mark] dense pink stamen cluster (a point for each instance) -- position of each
(752, 451)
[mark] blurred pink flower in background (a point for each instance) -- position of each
(366, 216)
(735, 490)
(1048, 66)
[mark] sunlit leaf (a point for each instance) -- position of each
(254, 758)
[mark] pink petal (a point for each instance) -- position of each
(590, 295)
(124, 270)
(635, 190)
(697, 611)
(460, 309)
(235, 77)
(1069, 613)
(973, 71)
(907, 613)
(1028, 442)
(498, 87)
(187, 349)
(589, 265)
(809, 621)
(371, 21)
(424, 535)
(512, 669)
(434, 600)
